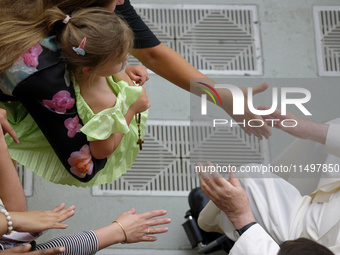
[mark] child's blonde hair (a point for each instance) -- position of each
(22, 24)
(107, 37)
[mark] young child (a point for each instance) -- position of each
(51, 143)
(95, 43)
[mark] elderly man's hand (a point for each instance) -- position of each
(230, 197)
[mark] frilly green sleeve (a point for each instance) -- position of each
(101, 125)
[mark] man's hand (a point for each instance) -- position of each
(230, 197)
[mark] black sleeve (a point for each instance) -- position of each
(144, 38)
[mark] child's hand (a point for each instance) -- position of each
(142, 103)
(137, 73)
(36, 221)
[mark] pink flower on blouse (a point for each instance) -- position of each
(31, 56)
(73, 126)
(60, 102)
(81, 162)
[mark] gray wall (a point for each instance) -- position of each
(288, 45)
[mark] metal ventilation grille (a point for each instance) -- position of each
(327, 31)
(26, 178)
(222, 39)
(164, 166)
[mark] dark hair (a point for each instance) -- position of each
(303, 246)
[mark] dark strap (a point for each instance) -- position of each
(245, 228)
(43, 85)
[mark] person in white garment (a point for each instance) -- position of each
(261, 212)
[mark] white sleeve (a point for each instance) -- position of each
(255, 241)
(333, 140)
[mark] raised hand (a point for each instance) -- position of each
(36, 221)
(229, 196)
(261, 131)
(142, 226)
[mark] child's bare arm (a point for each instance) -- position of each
(11, 191)
(104, 148)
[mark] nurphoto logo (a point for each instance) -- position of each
(301, 96)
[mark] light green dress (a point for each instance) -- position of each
(101, 125)
(36, 154)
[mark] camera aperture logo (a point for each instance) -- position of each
(204, 96)
(301, 96)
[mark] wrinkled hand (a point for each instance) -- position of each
(142, 103)
(230, 197)
(141, 227)
(36, 221)
(137, 73)
(259, 132)
(6, 127)
(300, 128)
(24, 249)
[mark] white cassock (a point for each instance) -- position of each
(279, 208)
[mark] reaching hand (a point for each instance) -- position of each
(36, 221)
(6, 127)
(137, 73)
(230, 197)
(248, 115)
(138, 227)
(24, 249)
(296, 126)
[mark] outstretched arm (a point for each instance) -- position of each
(297, 126)
(37, 221)
(132, 228)
(11, 191)
(173, 67)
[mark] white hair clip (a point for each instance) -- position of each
(67, 19)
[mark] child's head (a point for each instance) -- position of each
(108, 38)
(22, 24)
(303, 246)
